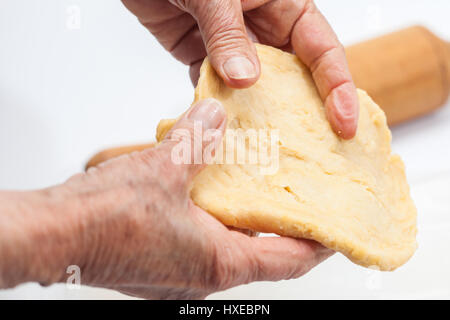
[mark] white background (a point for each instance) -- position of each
(66, 93)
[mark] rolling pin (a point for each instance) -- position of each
(407, 73)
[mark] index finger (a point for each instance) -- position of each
(318, 47)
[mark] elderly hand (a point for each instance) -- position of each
(130, 225)
(192, 29)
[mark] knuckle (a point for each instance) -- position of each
(156, 165)
(145, 158)
(185, 135)
(310, 6)
(180, 3)
(232, 266)
(324, 54)
(256, 271)
(185, 145)
(222, 27)
(217, 275)
(226, 39)
(221, 273)
(285, 15)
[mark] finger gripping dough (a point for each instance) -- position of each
(351, 196)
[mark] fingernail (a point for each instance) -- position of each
(239, 68)
(209, 111)
(344, 104)
(346, 115)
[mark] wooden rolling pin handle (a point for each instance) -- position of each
(448, 61)
(406, 72)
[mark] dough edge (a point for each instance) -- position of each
(383, 259)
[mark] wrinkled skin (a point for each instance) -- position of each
(224, 29)
(130, 225)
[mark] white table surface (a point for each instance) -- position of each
(69, 89)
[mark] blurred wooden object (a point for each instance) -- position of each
(406, 72)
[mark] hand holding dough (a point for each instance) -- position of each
(350, 195)
(224, 30)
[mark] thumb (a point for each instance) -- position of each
(194, 138)
(230, 51)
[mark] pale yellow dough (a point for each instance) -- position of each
(351, 196)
